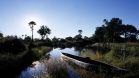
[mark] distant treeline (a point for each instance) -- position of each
(113, 31)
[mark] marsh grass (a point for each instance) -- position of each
(91, 74)
(92, 55)
(41, 50)
(10, 56)
(56, 69)
(124, 55)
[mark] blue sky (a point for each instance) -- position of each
(64, 17)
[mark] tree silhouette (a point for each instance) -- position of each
(99, 34)
(1, 35)
(113, 28)
(129, 31)
(137, 34)
(115, 31)
(27, 39)
(32, 24)
(44, 31)
(80, 31)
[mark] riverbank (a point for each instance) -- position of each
(124, 55)
(17, 62)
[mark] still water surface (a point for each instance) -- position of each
(39, 68)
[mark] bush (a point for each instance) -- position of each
(12, 46)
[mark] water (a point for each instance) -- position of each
(33, 71)
(56, 53)
(39, 68)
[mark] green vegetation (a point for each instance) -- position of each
(124, 55)
(113, 42)
(115, 31)
(11, 48)
(56, 69)
(16, 55)
(41, 51)
(87, 74)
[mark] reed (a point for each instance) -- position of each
(56, 69)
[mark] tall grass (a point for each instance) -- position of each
(124, 55)
(41, 51)
(56, 69)
(92, 55)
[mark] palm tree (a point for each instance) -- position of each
(32, 24)
(80, 31)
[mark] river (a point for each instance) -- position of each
(39, 68)
(52, 59)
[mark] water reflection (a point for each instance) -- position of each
(38, 68)
(56, 53)
(78, 49)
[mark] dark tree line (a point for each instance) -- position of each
(115, 31)
(111, 31)
(11, 44)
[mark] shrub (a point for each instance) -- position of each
(12, 46)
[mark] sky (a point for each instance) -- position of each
(64, 17)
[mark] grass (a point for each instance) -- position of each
(88, 74)
(124, 55)
(118, 57)
(59, 69)
(41, 50)
(128, 60)
(56, 69)
(92, 55)
(10, 56)
(37, 52)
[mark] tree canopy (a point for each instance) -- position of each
(44, 31)
(115, 31)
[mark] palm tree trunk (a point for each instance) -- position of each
(32, 33)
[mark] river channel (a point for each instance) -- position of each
(39, 68)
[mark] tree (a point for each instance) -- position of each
(32, 24)
(99, 34)
(1, 35)
(27, 39)
(69, 38)
(44, 31)
(113, 29)
(129, 32)
(79, 36)
(80, 31)
(55, 41)
(137, 34)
